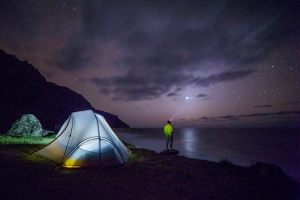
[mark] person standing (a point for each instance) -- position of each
(168, 130)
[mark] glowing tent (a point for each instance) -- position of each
(86, 140)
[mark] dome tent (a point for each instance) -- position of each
(86, 140)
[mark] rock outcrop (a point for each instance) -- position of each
(267, 170)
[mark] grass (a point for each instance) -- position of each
(4, 139)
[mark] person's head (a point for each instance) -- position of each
(169, 121)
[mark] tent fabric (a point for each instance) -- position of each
(86, 140)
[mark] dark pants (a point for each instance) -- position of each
(169, 139)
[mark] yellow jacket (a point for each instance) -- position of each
(168, 129)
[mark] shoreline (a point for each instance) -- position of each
(147, 175)
(240, 147)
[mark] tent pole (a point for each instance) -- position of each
(99, 153)
(68, 141)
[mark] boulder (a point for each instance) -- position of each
(27, 125)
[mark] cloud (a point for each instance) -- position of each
(75, 56)
(221, 77)
(271, 114)
(162, 50)
(174, 93)
(209, 119)
(191, 23)
(201, 95)
(230, 117)
(158, 45)
(263, 106)
(272, 119)
(238, 117)
(136, 85)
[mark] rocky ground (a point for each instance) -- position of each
(147, 175)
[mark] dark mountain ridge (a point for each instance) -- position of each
(25, 91)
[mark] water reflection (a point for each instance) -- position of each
(189, 140)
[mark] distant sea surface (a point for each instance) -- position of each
(241, 146)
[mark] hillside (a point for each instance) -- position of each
(25, 91)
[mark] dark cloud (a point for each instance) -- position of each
(173, 94)
(209, 119)
(263, 106)
(201, 95)
(238, 117)
(273, 119)
(204, 118)
(139, 86)
(165, 49)
(221, 77)
(230, 117)
(162, 44)
(206, 28)
(132, 87)
(73, 57)
(271, 114)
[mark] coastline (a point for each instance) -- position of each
(147, 175)
(239, 146)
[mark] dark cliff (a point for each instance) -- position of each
(25, 91)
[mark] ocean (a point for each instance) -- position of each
(241, 146)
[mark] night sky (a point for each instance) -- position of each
(202, 63)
